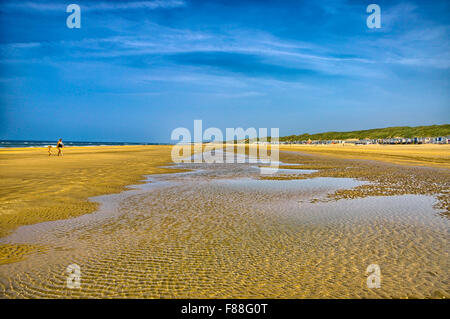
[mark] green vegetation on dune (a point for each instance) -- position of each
(377, 133)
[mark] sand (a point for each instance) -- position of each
(423, 155)
(221, 231)
(35, 187)
(212, 238)
(387, 179)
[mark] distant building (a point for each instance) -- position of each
(368, 141)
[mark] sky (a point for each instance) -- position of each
(136, 70)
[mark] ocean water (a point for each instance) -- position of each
(7, 143)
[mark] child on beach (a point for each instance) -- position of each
(49, 150)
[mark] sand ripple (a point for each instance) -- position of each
(209, 234)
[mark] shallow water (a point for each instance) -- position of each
(219, 231)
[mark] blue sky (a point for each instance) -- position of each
(136, 70)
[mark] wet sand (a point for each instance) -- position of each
(222, 231)
(35, 187)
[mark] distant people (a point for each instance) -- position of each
(49, 150)
(59, 146)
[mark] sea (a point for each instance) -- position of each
(8, 143)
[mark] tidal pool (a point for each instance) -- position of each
(221, 232)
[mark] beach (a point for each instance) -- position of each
(423, 154)
(35, 187)
(224, 230)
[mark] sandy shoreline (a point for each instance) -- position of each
(422, 155)
(225, 232)
(36, 188)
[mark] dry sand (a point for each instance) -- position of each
(423, 155)
(35, 187)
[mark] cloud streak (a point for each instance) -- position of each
(97, 6)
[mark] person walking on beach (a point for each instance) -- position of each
(59, 146)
